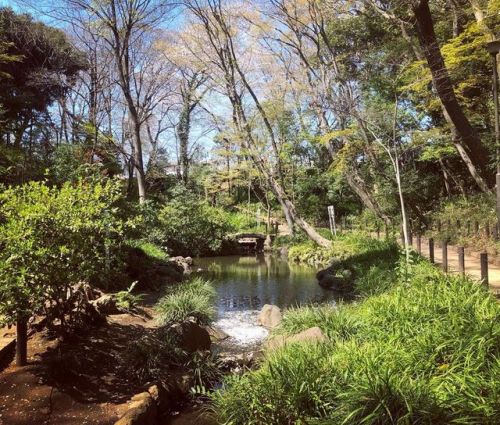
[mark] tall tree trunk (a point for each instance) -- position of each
(183, 128)
(470, 141)
(138, 161)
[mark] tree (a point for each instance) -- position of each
(126, 26)
(42, 68)
(466, 138)
(50, 240)
(220, 32)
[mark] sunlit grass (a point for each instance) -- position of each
(426, 351)
(188, 299)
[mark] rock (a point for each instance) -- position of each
(216, 333)
(183, 384)
(236, 363)
(184, 263)
(106, 304)
(192, 337)
(311, 335)
(270, 316)
(142, 411)
(161, 396)
(336, 277)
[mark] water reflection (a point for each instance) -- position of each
(247, 283)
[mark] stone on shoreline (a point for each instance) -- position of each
(270, 316)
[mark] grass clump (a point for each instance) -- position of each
(426, 351)
(150, 249)
(187, 299)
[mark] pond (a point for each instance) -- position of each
(245, 283)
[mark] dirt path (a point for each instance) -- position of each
(472, 263)
(78, 381)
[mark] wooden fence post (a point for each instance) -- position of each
(444, 246)
(431, 250)
(461, 260)
(484, 268)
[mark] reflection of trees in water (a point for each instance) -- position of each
(248, 282)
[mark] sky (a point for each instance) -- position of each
(199, 135)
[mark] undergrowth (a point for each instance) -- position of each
(193, 298)
(424, 350)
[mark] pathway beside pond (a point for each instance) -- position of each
(472, 263)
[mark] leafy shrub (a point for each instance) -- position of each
(52, 238)
(188, 299)
(479, 208)
(426, 351)
(188, 226)
(346, 246)
(150, 249)
(147, 264)
(240, 222)
(150, 357)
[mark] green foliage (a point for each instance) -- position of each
(241, 222)
(187, 299)
(53, 238)
(187, 225)
(423, 352)
(127, 300)
(150, 249)
(151, 356)
(343, 247)
(458, 217)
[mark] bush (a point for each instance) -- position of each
(351, 245)
(52, 238)
(188, 299)
(478, 208)
(427, 351)
(188, 226)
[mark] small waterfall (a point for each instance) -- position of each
(242, 327)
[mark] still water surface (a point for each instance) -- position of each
(245, 283)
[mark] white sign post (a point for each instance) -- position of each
(331, 217)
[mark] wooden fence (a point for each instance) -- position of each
(448, 230)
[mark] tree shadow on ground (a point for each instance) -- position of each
(89, 367)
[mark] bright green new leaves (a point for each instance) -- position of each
(52, 238)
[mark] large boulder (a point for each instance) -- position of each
(192, 336)
(270, 316)
(336, 277)
(216, 334)
(311, 335)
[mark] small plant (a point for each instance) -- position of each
(188, 299)
(127, 300)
